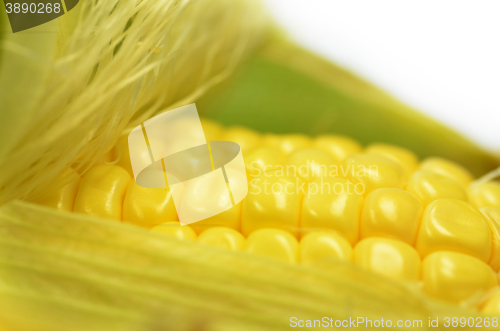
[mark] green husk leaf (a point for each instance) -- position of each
(285, 89)
(79, 267)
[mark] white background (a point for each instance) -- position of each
(441, 56)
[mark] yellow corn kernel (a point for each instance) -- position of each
(389, 257)
(485, 195)
(287, 143)
(428, 187)
(273, 243)
(263, 159)
(148, 207)
(390, 212)
(492, 216)
(121, 153)
(223, 237)
(228, 218)
(455, 277)
(492, 305)
(247, 139)
(272, 201)
(454, 225)
(372, 172)
(405, 158)
(309, 164)
(176, 230)
(211, 191)
(448, 169)
(62, 198)
(213, 131)
(339, 146)
(102, 190)
(320, 247)
(334, 206)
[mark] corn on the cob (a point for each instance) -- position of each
(382, 228)
(73, 271)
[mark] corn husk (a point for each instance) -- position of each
(92, 274)
(68, 89)
(66, 96)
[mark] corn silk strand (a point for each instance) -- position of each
(68, 89)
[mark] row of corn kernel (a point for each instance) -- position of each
(433, 179)
(389, 212)
(107, 191)
(383, 255)
(445, 275)
(386, 211)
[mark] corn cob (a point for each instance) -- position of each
(79, 272)
(424, 222)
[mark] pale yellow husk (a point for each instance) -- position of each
(69, 88)
(83, 85)
(91, 274)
